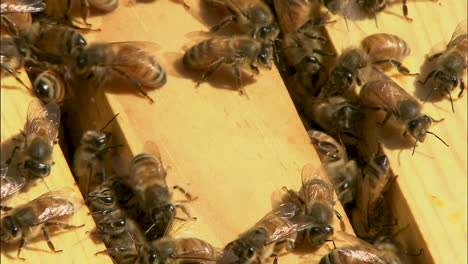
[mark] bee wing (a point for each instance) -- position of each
(37, 115)
(459, 36)
(313, 187)
(3, 170)
(23, 6)
(284, 221)
(11, 185)
(228, 256)
(152, 148)
(56, 203)
(363, 255)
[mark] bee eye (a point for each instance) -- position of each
(153, 258)
(100, 142)
(106, 199)
(120, 223)
(311, 59)
(349, 77)
(42, 88)
(81, 61)
(80, 41)
(250, 252)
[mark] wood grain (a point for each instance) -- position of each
(76, 244)
(231, 151)
(430, 194)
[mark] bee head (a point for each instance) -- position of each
(9, 230)
(265, 56)
(96, 139)
(112, 225)
(101, 199)
(317, 235)
(373, 6)
(35, 170)
(268, 33)
(418, 127)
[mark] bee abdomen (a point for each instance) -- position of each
(202, 54)
(49, 87)
(151, 73)
(385, 46)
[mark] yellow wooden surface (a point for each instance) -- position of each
(76, 244)
(231, 151)
(432, 184)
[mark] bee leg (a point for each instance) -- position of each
(323, 53)
(462, 88)
(184, 4)
(211, 69)
(185, 211)
(12, 73)
(185, 193)
(62, 225)
(45, 232)
(254, 69)
(136, 83)
(85, 12)
(10, 159)
(405, 11)
(5, 208)
(333, 241)
(275, 260)
(223, 23)
(435, 56)
(386, 118)
(9, 26)
(400, 67)
(237, 74)
(316, 37)
(21, 245)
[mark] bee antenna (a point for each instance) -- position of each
(438, 138)
(108, 123)
(346, 23)
(149, 228)
(375, 19)
(414, 147)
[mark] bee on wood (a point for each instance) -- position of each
(380, 252)
(370, 215)
(133, 61)
(449, 65)
(40, 136)
(380, 92)
(62, 11)
(277, 230)
(88, 161)
(121, 236)
(27, 221)
(14, 55)
(9, 186)
(50, 85)
(343, 173)
(179, 251)
(54, 40)
(336, 115)
(16, 14)
(211, 54)
(253, 16)
(379, 50)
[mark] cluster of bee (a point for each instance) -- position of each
(135, 211)
(42, 37)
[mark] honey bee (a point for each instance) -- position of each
(121, 236)
(336, 115)
(382, 93)
(450, 65)
(102, 200)
(50, 86)
(377, 49)
(277, 230)
(134, 61)
(316, 199)
(381, 252)
(54, 40)
(9, 185)
(254, 16)
(179, 251)
(148, 175)
(14, 54)
(211, 54)
(88, 161)
(40, 136)
(26, 222)
(368, 215)
(16, 14)
(343, 173)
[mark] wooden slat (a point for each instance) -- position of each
(77, 245)
(231, 151)
(432, 183)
